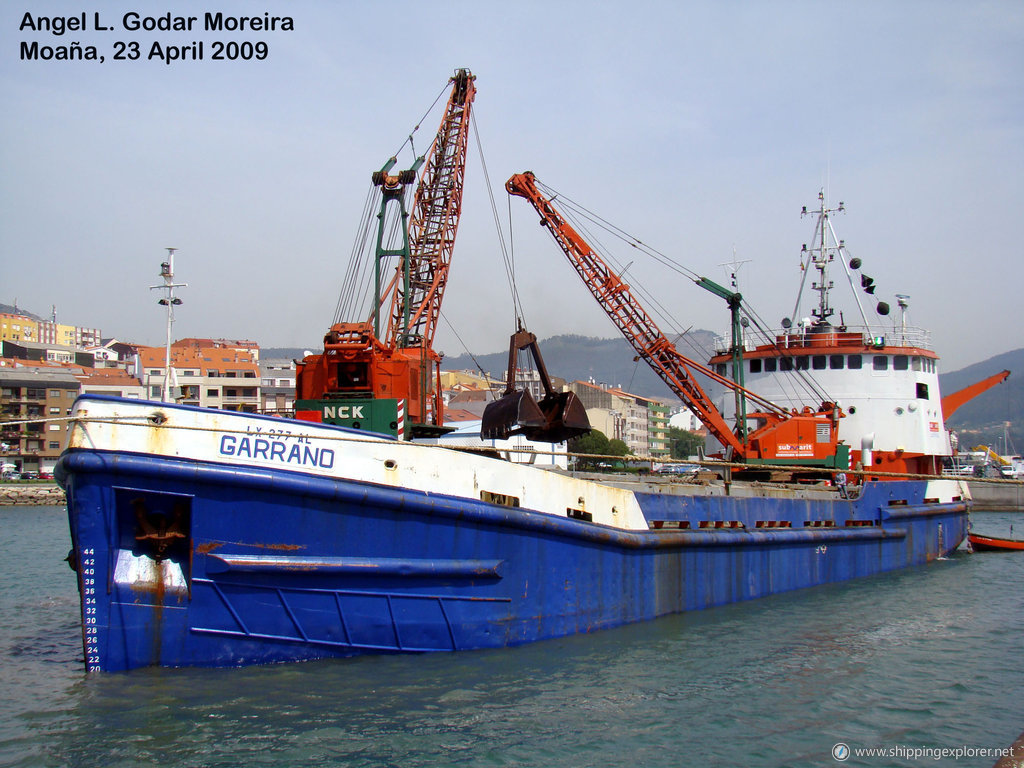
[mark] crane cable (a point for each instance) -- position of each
(507, 254)
(408, 139)
(353, 299)
(507, 257)
(349, 296)
(523, 361)
(577, 213)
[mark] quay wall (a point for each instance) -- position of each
(1001, 496)
(31, 494)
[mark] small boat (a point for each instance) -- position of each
(994, 543)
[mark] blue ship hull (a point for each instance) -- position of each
(264, 565)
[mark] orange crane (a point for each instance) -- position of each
(777, 433)
(951, 402)
(367, 378)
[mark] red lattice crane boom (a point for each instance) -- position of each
(777, 429)
(380, 379)
(416, 301)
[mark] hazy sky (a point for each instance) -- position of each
(700, 127)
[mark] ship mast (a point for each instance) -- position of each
(818, 256)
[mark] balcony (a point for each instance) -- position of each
(235, 400)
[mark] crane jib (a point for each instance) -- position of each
(809, 437)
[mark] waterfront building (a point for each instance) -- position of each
(657, 426)
(111, 381)
(618, 414)
(277, 387)
(46, 394)
(46, 352)
(223, 375)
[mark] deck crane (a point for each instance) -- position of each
(373, 378)
(806, 438)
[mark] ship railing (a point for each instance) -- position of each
(845, 336)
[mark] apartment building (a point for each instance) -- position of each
(658, 412)
(619, 415)
(18, 328)
(68, 335)
(277, 387)
(111, 381)
(222, 375)
(34, 393)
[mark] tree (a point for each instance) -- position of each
(617, 448)
(593, 442)
(684, 443)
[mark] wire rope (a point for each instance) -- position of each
(803, 383)
(408, 139)
(507, 256)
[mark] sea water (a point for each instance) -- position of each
(930, 658)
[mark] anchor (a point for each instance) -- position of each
(158, 530)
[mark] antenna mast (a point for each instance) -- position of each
(818, 256)
(170, 301)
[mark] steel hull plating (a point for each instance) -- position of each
(186, 562)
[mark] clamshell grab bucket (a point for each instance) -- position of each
(557, 417)
(565, 418)
(511, 414)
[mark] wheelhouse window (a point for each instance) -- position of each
(854, 362)
(880, 362)
(900, 363)
(786, 364)
(755, 365)
(818, 362)
(835, 362)
(802, 363)
(770, 365)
